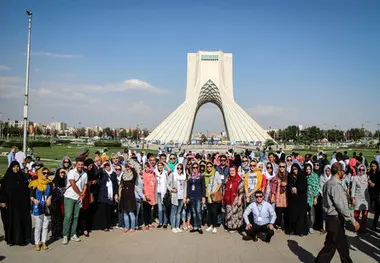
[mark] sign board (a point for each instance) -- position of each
(210, 57)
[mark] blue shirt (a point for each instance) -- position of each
(11, 158)
(263, 214)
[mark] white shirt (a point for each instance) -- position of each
(161, 181)
(20, 157)
(262, 214)
(179, 190)
(74, 175)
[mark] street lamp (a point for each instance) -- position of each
(26, 106)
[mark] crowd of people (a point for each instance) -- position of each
(256, 192)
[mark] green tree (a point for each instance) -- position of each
(355, 134)
(291, 133)
(311, 134)
(334, 135)
(123, 133)
(268, 143)
(107, 131)
(272, 133)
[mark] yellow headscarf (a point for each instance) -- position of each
(40, 183)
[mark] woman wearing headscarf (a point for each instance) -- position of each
(261, 168)
(313, 189)
(161, 176)
(186, 211)
(176, 184)
(127, 203)
(15, 206)
(279, 195)
(269, 175)
(322, 181)
(107, 195)
(87, 209)
(57, 208)
(40, 195)
(66, 163)
(213, 182)
(149, 195)
(244, 168)
(253, 179)
(374, 167)
(233, 199)
(195, 195)
(360, 196)
(297, 202)
(173, 161)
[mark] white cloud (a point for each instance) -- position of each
(3, 67)
(55, 55)
(268, 110)
(10, 87)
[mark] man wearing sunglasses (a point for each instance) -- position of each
(263, 216)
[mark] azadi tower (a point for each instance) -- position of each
(209, 79)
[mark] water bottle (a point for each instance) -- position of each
(36, 209)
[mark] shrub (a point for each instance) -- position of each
(107, 144)
(31, 144)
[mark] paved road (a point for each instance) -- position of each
(164, 246)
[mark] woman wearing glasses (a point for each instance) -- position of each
(214, 184)
(269, 175)
(40, 195)
(233, 198)
(360, 197)
(244, 167)
(177, 186)
(252, 182)
(196, 192)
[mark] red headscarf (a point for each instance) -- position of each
(232, 187)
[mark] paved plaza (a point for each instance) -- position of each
(164, 246)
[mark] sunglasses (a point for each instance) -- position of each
(117, 169)
(252, 165)
(45, 173)
(179, 168)
(223, 160)
(66, 162)
(62, 172)
(195, 167)
(172, 158)
(106, 165)
(244, 161)
(361, 170)
(316, 164)
(269, 167)
(281, 166)
(209, 166)
(258, 196)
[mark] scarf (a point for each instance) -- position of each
(195, 175)
(282, 176)
(173, 166)
(177, 176)
(127, 176)
(245, 168)
(58, 180)
(363, 179)
(109, 185)
(40, 183)
(207, 174)
(231, 189)
(326, 178)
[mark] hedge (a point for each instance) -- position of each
(31, 144)
(107, 144)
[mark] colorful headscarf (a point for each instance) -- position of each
(40, 183)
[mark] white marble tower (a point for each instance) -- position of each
(209, 79)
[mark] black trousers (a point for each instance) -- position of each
(256, 229)
(212, 214)
(335, 240)
(280, 213)
(147, 210)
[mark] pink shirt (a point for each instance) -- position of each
(150, 187)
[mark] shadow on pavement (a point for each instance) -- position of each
(2, 258)
(302, 254)
(368, 243)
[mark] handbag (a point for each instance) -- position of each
(216, 197)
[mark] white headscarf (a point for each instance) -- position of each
(177, 176)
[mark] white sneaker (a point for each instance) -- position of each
(65, 240)
(311, 231)
(209, 229)
(214, 230)
(174, 230)
(75, 238)
(179, 230)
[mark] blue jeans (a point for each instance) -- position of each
(186, 213)
(175, 214)
(196, 211)
(129, 217)
(161, 210)
(139, 212)
(121, 219)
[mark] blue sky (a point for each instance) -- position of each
(123, 63)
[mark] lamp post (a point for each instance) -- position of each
(26, 105)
